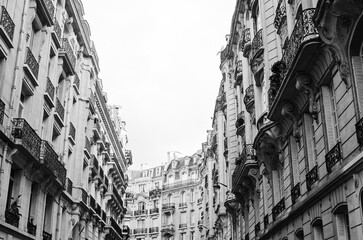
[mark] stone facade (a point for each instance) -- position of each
(293, 70)
(62, 158)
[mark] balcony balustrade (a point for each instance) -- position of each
(168, 207)
(179, 184)
(66, 52)
(249, 99)
(183, 205)
(98, 210)
(154, 210)
(84, 196)
(2, 112)
(311, 177)
(7, 26)
(295, 193)
(46, 10)
(257, 43)
(304, 30)
(224, 54)
(69, 186)
(59, 110)
(47, 236)
(183, 225)
(245, 44)
(12, 215)
(333, 157)
(278, 208)
(168, 229)
(140, 231)
(30, 140)
(116, 195)
(57, 33)
(280, 15)
(31, 66)
(31, 227)
(140, 212)
(240, 123)
(72, 133)
(94, 165)
(50, 159)
(154, 230)
(76, 83)
(265, 221)
(49, 92)
(97, 130)
(87, 148)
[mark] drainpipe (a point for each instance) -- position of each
(19, 58)
(59, 219)
(66, 120)
(2, 160)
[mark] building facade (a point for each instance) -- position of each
(290, 104)
(62, 149)
(143, 199)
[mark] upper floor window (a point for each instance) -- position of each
(174, 164)
(141, 206)
(158, 171)
(142, 188)
(144, 174)
(151, 172)
(342, 222)
(256, 18)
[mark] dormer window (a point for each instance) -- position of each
(158, 171)
(187, 161)
(144, 174)
(174, 164)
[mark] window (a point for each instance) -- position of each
(299, 234)
(184, 176)
(141, 206)
(48, 214)
(192, 217)
(168, 200)
(317, 229)
(182, 236)
(174, 164)
(182, 197)
(142, 188)
(192, 236)
(156, 203)
(151, 171)
(157, 185)
(144, 174)
(192, 195)
(342, 222)
(158, 171)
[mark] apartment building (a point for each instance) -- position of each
(143, 199)
(291, 91)
(62, 154)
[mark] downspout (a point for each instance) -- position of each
(66, 121)
(19, 59)
(59, 218)
(2, 160)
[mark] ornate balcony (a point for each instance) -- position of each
(333, 157)
(295, 193)
(183, 205)
(72, 133)
(31, 67)
(87, 148)
(69, 59)
(279, 208)
(240, 124)
(49, 92)
(168, 230)
(47, 236)
(138, 231)
(154, 210)
(2, 112)
(84, 196)
(57, 33)
(46, 9)
(7, 27)
(280, 15)
(312, 177)
(26, 137)
(358, 129)
(50, 160)
(245, 44)
(69, 186)
(154, 230)
(155, 193)
(257, 43)
(265, 221)
(183, 225)
(249, 100)
(76, 83)
(140, 212)
(59, 112)
(12, 215)
(239, 73)
(168, 207)
(32, 228)
(297, 57)
(180, 184)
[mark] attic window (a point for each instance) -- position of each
(174, 164)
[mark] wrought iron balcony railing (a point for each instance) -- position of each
(32, 228)
(155, 193)
(358, 129)
(29, 138)
(92, 203)
(76, 83)
(179, 184)
(183, 225)
(295, 193)
(311, 177)
(2, 112)
(140, 231)
(72, 132)
(280, 15)
(168, 206)
(246, 39)
(249, 99)
(333, 157)
(31, 66)
(224, 54)
(140, 212)
(87, 147)
(6, 23)
(240, 123)
(84, 196)
(50, 159)
(104, 216)
(278, 208)
(12, 216)
(47, 236)
(50, 90)
(154, 210)
(116, 226)
(57, 33)
(183, 205)
(67, 54)
(257, 43)
(59, 110)
(153, 229)
(69, 186)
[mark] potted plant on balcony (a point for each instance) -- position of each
(12, 214)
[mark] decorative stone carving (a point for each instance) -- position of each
(289, 111)
(304, 84)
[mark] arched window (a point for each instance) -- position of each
(182, 197)
(299, 234)
(342, 222)
(168, 199)
(192, 195)
(184, 176)
(317, 229)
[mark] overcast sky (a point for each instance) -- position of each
(159, 61)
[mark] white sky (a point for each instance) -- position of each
(159, 61)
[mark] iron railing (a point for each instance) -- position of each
(153, 229)
(84, 196)
(179, 184)
(280, 15)
(31, 227)
(154, 210)
(66, 47)
(57, 30)
(311, 177)
(72, 131)
(47, 236)
(7, 23)
(278, 208)
(257, 42)
(50, 158)
(2, 112)
(249, 98)
(333, 157)
(50, 89)
(32, 63)
(59, 109)
(30, 139)
(295, 193)
(359, 131)
(50, 7)
(69, 186)
(76, 82)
